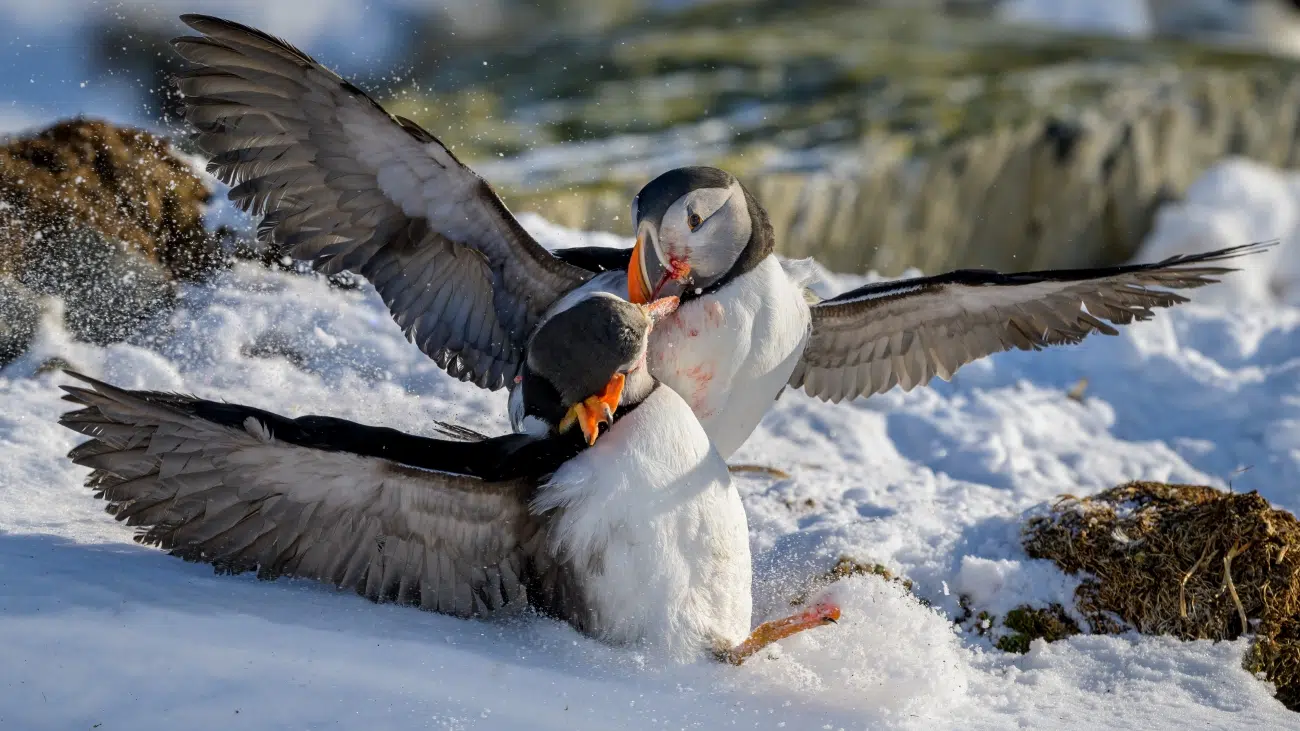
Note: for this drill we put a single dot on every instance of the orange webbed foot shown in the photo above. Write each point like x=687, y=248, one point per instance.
x=778, y=629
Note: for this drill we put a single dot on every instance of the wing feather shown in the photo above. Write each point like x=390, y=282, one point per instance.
x=344, y=185
x=236, y=496
x=906, y=332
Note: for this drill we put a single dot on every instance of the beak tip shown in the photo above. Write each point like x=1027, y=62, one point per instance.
x=662, y=307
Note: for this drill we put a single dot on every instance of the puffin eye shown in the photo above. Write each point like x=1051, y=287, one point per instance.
x=694, y=221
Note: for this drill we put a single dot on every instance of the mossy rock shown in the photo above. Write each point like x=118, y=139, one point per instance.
x=1027, y=624
x=1189, y=561
x=106, y=218
x=122, y=183
x=844, y=568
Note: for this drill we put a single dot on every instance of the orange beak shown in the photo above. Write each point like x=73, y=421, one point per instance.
x=661, y=308
x=595, y=410
x=638, y=290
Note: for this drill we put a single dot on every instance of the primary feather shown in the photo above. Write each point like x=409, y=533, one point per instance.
x=341, y=183
x=905, y=332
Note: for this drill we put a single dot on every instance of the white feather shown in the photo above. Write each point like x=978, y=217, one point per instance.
x=749, y=333
x=804, y=272
x=652, y=510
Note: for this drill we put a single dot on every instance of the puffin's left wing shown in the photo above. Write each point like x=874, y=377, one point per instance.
x=905, y=332
x=317, y=498
x=347, y=186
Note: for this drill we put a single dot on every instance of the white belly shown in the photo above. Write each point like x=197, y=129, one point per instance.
x=652, y=510
x=731, y=352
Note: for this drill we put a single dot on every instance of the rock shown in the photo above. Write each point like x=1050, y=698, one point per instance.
x=123, y=183
x=878, y=137
x=108, y=219
x=1069, y=189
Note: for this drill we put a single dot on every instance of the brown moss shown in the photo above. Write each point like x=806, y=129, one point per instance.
x=1184, y=560
x=844, y=568
x=1028, y=623
x=121, y=183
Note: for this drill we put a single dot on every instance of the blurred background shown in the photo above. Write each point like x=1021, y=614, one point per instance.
x=880, y=134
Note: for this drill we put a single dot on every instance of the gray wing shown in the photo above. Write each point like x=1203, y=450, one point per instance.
x=242, y=500
x=343, y=184
x=905, y=332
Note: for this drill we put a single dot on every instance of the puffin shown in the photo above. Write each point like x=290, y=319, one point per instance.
x=340, y=183
x=639, y=540
x=747, y=326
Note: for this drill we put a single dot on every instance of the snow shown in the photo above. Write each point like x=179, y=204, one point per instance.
x=1268, y=26
x=1237, y=200
x=1113, y=17
x=932, y=484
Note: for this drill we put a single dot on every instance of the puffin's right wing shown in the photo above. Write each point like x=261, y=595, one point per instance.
x=217, y=483
x=347, y=186
x=905, y=332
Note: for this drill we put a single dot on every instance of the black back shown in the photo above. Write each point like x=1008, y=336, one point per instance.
x=494, y=459
x=596, y=258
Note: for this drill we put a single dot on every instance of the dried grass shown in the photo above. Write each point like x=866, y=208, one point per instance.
x=1189, y=561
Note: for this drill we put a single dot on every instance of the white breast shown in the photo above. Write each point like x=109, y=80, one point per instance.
x=652, y=510
x=729, y=353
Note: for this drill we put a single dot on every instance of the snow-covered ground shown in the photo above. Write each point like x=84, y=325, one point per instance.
x=97, y=632
x=1271, y=26
x=1116, y=17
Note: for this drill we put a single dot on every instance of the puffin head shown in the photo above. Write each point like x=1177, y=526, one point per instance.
x=588, y=359
x=696, y=229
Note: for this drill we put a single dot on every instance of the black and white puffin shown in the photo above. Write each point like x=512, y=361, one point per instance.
x=346, y=186
x=745, y=327
x=638, y=540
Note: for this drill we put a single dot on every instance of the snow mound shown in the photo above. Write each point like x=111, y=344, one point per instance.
x=1112, y=17
x=1237, y=201
x=889, y=653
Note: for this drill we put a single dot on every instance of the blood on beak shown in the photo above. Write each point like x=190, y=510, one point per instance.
x=661, y=308
x=645, y=282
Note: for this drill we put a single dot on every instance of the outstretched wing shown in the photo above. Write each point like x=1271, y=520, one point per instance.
x=216, y=483
x=345, y=185
x=905, y=332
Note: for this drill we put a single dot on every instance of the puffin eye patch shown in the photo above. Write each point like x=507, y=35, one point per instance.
x=694, y=220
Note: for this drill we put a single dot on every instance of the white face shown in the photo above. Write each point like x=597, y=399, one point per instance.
x=698, y=241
